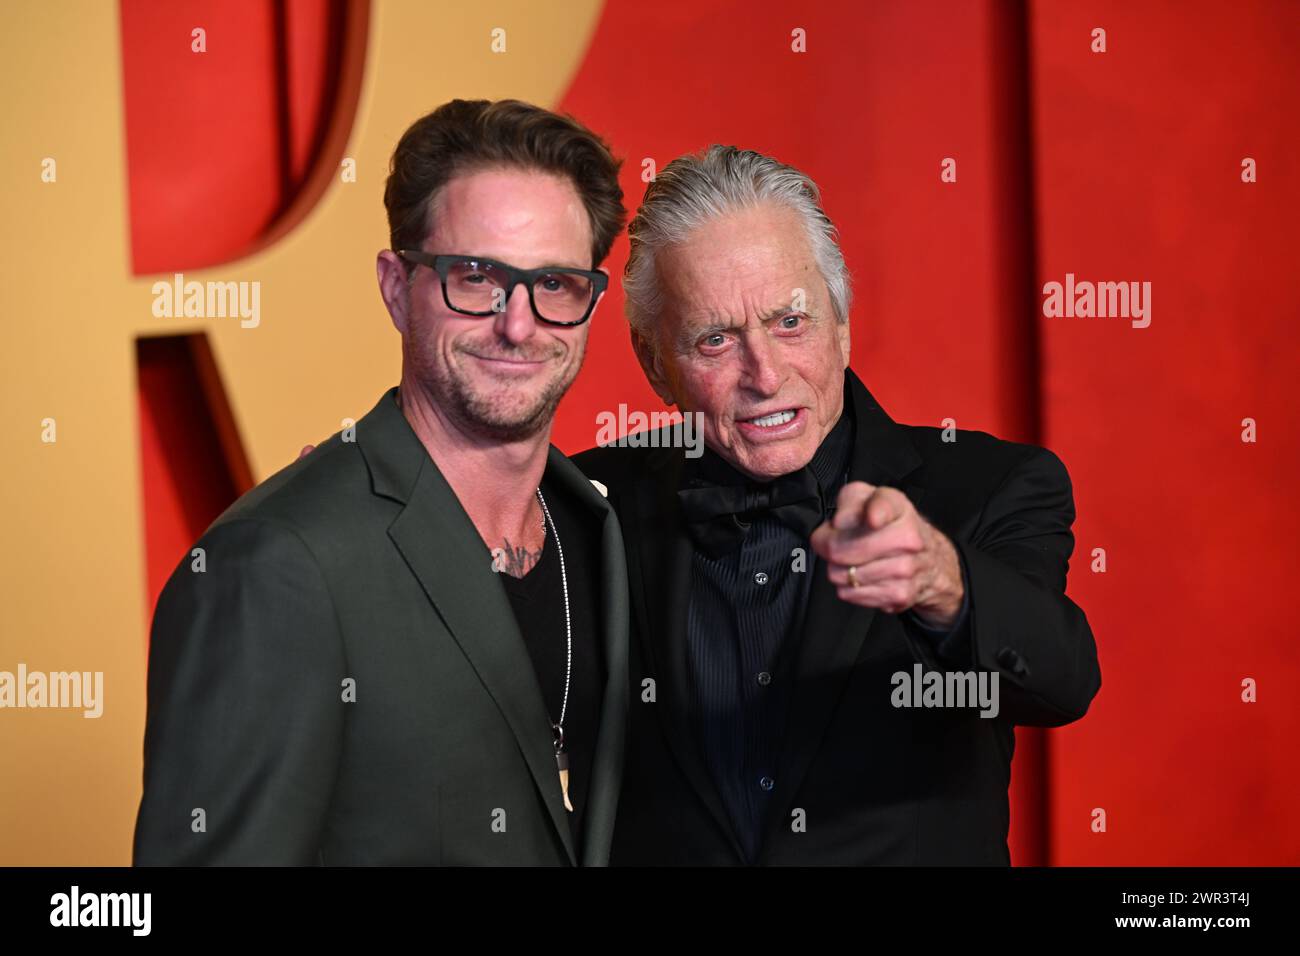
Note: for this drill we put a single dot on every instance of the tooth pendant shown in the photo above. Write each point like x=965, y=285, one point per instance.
x=562, y=761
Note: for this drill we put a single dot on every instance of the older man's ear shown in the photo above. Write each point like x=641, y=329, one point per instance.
x=651, y=363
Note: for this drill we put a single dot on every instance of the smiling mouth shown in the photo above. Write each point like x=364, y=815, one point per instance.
x=773, y=420
x=508, y=360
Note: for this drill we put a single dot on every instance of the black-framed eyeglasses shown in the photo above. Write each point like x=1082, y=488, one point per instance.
x=473, y=285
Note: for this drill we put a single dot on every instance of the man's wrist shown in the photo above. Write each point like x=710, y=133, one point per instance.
x=944, y=611
x=939, y=628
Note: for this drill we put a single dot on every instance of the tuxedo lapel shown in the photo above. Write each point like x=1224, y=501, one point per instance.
x=834, y=630
x=443, y=549
x=660, y=574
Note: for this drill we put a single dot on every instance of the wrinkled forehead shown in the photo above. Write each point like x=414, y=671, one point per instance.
x=738, y=267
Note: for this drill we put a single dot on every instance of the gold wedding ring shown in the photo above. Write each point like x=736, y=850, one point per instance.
x=853, y=576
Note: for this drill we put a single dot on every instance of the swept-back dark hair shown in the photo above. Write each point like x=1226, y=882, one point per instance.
x=468, y=135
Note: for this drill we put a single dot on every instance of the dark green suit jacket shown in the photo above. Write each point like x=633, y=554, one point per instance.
x=344, y=681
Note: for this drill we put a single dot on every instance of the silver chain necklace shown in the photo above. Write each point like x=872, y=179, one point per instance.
x=561, y=755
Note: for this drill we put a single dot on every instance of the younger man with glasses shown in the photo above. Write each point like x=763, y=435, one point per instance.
x=411, y=647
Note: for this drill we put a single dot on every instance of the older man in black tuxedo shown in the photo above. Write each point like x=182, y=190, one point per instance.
x=791, y=585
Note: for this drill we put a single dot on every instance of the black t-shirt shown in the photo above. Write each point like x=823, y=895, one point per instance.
x=538, y=602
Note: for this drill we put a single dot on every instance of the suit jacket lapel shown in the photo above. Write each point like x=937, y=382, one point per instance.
x=659, y=572
x=445, y=553
x=834, y=630
x=607, y=767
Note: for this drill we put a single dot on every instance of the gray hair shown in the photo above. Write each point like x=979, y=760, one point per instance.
x=694, y=189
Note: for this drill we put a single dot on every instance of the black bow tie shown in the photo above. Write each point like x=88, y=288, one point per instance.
x=717, y=516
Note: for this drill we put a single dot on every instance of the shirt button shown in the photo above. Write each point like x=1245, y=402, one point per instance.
x=760, y=577
x=767, y=783
x=764, y=678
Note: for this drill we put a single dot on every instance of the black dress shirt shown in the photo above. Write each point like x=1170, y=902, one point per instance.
x=744, y=625
x=538, y=603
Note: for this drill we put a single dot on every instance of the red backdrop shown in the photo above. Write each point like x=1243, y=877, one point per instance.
x=1115, y=166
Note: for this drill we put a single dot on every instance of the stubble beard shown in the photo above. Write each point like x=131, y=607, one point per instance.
x=492, y=412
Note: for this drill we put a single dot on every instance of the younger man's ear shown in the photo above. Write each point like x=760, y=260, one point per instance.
x=390, y=269
x=601, y=297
